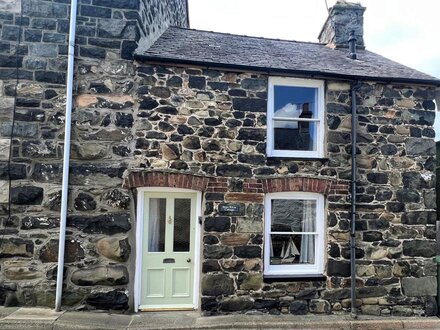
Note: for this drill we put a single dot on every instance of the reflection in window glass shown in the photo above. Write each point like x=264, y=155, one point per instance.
x=295, y=102
x=294, y=135
x=292, y=249
x=182, y=224
x=156, y=225
x=293, y=215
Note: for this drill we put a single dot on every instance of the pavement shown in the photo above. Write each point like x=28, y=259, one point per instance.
x=45, y=318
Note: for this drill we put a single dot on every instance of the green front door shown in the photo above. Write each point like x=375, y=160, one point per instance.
x=168, y=251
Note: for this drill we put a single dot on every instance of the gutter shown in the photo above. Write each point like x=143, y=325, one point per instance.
x=268, y=70
x=354, y=88
x=66, y=155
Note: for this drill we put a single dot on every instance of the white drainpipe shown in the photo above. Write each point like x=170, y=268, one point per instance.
x=66, y=156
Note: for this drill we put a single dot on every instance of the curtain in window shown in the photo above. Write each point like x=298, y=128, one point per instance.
x=307, y=254
x=154, y=225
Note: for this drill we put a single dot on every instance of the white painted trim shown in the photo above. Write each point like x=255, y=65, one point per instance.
x=289, y=270
x=197, y=243
x=139, y=236
x=139, y=231
x=296, y=82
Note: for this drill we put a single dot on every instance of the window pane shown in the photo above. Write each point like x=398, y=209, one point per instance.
x=293, y=215
x=156, y=225
x=292, y=249
x=182, y=224
x=295, y=135
x=295, y=102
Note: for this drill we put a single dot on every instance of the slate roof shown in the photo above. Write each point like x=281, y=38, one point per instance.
x=213, y=49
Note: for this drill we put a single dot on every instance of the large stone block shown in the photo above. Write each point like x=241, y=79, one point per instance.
x=16, y=247
x=44, y=50
x=250, y=281
x=217, y=224
x=117, y=29
x=73, y=251
x=21, y=270
x=418, y=287
x=418, y=147
x=115, y=248
x=27, y=195
x=44, y=9
x=216, y=285
x=235, y=304
x=109, y=223
x=216, y=251
x=116, y=300
x=10, y=6
x=100, y=275
x=419, y=248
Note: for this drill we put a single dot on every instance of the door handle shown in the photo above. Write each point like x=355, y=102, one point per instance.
x=170, y=221
x=188, y=260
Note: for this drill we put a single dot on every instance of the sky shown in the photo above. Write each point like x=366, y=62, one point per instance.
x=405, y=31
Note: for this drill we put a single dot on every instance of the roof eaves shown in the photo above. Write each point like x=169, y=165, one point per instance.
x=269, y=70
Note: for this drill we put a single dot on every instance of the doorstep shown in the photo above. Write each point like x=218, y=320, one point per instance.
x=44, y=318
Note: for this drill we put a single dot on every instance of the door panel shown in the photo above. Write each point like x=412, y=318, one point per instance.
x=155, y=282
x=181, y=282
x=167, y=277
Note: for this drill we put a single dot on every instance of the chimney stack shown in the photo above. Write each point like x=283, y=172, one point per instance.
x=343, y=18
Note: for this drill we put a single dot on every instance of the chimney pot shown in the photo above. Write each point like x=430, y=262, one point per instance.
x=352, y=45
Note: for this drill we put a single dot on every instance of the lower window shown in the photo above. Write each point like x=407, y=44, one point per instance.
x=294, y=234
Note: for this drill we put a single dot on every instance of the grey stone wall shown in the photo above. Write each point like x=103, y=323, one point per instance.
x=33, y=49
x=213, y=123
x=157, y=15
x=133, y=116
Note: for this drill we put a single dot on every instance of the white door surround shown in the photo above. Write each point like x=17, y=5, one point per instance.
x=139, y=244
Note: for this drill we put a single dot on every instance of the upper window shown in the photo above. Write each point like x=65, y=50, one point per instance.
x=294, y=234
x=295, y=118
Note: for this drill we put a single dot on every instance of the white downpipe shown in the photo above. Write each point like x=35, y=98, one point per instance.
x=66, y=156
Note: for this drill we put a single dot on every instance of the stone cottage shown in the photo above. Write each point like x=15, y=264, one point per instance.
x=212, y=171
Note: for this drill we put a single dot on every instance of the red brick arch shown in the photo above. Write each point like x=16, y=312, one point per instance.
x=317, y=185
x=251, y=186
x=166, y=179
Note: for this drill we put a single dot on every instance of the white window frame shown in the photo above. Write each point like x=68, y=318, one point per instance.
x=316, y=269
x=296, y=82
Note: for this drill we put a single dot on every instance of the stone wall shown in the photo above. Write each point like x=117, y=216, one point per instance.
x=135, y=118
x=213, y=124
x=33, y=63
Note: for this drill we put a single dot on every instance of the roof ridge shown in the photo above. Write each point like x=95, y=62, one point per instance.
x=246, y=36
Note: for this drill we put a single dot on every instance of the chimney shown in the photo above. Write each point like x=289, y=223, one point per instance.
x=343, y=18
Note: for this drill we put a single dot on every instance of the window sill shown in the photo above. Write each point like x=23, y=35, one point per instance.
x=294, y=278
x=322, y=159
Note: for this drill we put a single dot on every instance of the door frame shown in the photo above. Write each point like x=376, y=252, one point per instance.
x=139, y=240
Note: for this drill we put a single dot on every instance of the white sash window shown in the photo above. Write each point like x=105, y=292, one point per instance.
x=294, y=234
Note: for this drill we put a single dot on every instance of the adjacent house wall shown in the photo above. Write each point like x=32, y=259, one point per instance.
x=106, y=36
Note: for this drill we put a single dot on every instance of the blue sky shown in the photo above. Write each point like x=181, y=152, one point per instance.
x=402, y=30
